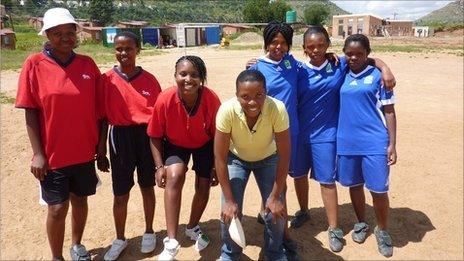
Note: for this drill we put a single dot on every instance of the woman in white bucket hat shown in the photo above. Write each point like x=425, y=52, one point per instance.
x=57, y=89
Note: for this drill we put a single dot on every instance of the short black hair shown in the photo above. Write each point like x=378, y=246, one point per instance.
x=130, y=35
x=250, y=75
x=317, y=30
x=198, y=63
x=275, y=27
x=360, y=38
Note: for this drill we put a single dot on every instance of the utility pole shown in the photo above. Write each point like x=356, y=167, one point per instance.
x=394, y=15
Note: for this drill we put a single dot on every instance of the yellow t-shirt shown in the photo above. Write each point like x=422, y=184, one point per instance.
x=258, y=143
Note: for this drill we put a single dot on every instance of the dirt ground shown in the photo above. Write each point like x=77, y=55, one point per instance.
x=426, y=191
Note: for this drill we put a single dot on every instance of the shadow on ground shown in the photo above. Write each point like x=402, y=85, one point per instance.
x=406, y=225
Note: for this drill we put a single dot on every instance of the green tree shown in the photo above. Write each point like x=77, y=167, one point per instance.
x=264, y=11
x=316, y=14
x=101, y=11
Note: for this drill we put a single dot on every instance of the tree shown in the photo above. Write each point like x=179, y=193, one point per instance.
x=264, y=11
x=316, y=14
x=101, y=11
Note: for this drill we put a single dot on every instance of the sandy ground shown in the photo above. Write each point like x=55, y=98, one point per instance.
x=426, y=185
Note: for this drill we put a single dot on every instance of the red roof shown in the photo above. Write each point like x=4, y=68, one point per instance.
x=6, y=31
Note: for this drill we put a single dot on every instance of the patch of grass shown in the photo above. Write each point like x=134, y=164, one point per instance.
x=406, y=48
x=244, y=47
x=28, y=42
x=5, y=99
x=14, y=59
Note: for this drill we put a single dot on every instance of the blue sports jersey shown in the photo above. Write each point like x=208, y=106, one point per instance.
x=281, y=83
x=362, y=128
x=318, y=99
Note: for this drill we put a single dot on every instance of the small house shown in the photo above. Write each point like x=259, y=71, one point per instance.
x=8, y=39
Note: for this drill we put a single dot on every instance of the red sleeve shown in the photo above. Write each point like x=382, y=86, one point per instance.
x=26, y=96
x=157, y=123
x=215, y=104
x=100, y=95
x=156, y=88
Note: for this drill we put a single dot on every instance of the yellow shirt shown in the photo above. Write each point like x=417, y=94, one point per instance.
x=258, y=143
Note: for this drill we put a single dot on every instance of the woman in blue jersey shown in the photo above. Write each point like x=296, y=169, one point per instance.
x=280, y=70
x=366, y=139
x=318, y=105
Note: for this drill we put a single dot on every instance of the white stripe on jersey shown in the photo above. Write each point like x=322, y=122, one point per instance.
x=378, y=106
x=317, y=68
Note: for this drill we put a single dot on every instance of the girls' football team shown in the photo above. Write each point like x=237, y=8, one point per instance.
x=340, y=112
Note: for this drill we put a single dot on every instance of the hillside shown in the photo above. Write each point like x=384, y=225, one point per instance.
x=452, y=13
x=159, y=12
x=301, y=5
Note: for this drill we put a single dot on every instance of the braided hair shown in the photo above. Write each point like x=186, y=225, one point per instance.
x=198, y=63
x=275, y=27
x=360, y=38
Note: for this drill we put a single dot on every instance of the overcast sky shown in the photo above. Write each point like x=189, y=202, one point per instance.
x=406, y=10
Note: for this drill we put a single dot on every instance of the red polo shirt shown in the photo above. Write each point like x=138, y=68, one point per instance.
x=128, y=101
x=64, y=95
x=171, y=119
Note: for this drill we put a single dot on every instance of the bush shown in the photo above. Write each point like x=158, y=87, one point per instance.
x=316, y=14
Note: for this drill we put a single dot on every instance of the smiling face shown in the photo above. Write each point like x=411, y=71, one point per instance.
x=188, y=78
x=251, y=96
x=126, y=51
x=62, y=38
x=277, y=48
x=356, y=56
x=315, y=47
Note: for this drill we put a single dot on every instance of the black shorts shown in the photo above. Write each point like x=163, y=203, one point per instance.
x=203, y=157
x=130, y=149
x=80, y=179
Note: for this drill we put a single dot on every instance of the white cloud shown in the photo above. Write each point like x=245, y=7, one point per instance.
x=405, y=10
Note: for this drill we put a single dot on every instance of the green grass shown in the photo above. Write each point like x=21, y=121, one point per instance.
x=5, y=99
x=244, y=47
x=407, y=48
x=29, y=43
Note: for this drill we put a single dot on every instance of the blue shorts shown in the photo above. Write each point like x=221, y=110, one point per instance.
x=320, y=158
x=370, y=170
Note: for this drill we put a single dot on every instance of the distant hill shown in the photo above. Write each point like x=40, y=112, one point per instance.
x=300, y=5
x=452, y=13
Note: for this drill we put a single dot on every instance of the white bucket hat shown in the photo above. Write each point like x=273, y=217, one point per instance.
x=57, y=16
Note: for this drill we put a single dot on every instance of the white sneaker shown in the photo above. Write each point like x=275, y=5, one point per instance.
x=115, y=250
x=195, y=234
x=148, y=243
x=171, y=248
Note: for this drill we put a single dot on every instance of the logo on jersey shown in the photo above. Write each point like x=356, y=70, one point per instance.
x=287, y=64
x=85, y=76
x=145, y=93
x=369, y=79
x=328, y=68
x=354, y=83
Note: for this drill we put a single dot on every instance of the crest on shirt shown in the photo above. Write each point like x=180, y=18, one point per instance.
x=85, y=76
x=328, y=68
x=354, y=83
x=145, y=93
x=287, y=64
x=369, y=79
